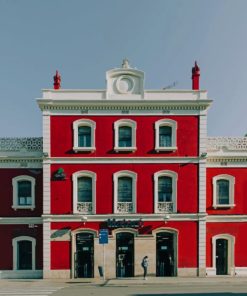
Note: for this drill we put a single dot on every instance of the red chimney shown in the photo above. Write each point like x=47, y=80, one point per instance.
x=195, y=77
x=57, y=80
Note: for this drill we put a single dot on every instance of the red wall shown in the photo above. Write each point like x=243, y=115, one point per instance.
x=240, y=199
x=187, y=186
x=11, y=231
x=62, y=136
x=6, y=176
x=187, y=241
x=238, y=230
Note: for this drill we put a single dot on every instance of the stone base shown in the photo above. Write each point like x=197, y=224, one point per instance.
x=187, y=272
x=57, y=274
x=21, y=274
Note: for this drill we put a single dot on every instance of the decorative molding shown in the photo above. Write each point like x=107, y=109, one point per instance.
x=21, y=144
x=227, y=143
x=20, y=220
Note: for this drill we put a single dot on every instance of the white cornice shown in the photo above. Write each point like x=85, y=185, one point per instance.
x=120, y=160
x=226, y=218
x=21, y=220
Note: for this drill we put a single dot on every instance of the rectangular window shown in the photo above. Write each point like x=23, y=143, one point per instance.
x=222, y=192
x=24, y=255
x=165, y=189
x=165, y=136
x=24, y=193
x=125, y=133
x=85, y=189
x=84, y=136
x=125, y=189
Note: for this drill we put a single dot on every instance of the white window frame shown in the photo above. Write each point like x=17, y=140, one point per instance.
x=132, y=175
x=174, y=176
x=15, y=181
x=76, y=125
x=231, y=245
x=75, y=177
x=125, y=122
x=166, y=122
x=15, y=251
x=231, y=180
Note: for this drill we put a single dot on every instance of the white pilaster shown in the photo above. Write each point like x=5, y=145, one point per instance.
x=46, y=188
x=46, y=135
x=46, y=249
x=202, y=248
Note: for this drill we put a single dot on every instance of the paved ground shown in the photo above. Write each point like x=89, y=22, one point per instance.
x=132, y=287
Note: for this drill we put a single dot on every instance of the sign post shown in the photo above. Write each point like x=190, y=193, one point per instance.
x=103, y=239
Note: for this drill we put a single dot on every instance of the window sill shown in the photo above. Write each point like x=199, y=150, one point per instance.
x=125, y=149
x=23, y=208
x=84, y=149
x=224, y=206
x=161, y=149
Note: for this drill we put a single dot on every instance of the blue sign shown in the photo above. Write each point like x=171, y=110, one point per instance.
x=103, y=236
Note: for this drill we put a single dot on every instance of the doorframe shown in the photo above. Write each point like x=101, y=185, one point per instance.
x=175, y=233
x=230, y=252
x=73, y=245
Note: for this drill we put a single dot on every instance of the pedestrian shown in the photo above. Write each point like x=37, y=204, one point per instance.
x=145, y=266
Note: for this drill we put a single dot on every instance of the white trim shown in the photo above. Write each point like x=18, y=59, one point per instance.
x=46, y=187
x=110, y=160
x=21, y=220
x=15, y=181
x=202, y=247
x=15, y=250
x=202, y=186
x=75, y=177
x=231, y=244
x=166, y=122
x=132, y=175
x=84, y=122
x=174, y=177
x=120, y=123
x=231, y=180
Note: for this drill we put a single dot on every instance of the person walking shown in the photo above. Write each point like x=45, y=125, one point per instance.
x=145, y=267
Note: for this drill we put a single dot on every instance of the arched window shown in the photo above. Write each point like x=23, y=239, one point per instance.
x=165, y=192
x=23, y=192
x=125, y=192
x=24, y=253
x=84, y=192
x=223, y=191
x=125, y=135
x=84, y=135
x=165, y=135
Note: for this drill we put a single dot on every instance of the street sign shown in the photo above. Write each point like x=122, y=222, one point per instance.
x=103, y=236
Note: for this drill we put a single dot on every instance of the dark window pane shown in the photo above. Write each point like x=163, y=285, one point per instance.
x=85, y=189
x=125, y=189
x=125, y=133
x=165, y=189
x=223, y=192
x=84, y=136
x=24, y=193
x=165, y=136
x=24, y=255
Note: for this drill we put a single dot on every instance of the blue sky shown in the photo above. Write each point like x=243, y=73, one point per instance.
x=85, y=38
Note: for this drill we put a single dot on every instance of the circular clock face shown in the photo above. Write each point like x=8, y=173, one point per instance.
x=125, y=84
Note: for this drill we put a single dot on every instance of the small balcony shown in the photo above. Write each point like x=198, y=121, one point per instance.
x=85, y=207
x=165, y=207
x=125, y=207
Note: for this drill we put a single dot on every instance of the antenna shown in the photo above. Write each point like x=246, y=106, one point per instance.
x=172, y=85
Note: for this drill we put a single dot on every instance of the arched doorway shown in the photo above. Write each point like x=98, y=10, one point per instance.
x=166, y=256
x=124, y=254
x=84, y=255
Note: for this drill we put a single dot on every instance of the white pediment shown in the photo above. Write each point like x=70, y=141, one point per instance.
x=124, y=82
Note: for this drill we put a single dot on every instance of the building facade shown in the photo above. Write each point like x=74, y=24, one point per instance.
x=136, y=164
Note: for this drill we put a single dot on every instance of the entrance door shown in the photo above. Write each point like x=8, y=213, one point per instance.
x=165, y=257
x=84, y=257
x=221, y=256
x=125, y=255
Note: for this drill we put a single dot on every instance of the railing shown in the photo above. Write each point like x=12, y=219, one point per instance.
x=234, y=143
x=85, y=207
x=21, y=144
x=125, y=207
x=165, y=207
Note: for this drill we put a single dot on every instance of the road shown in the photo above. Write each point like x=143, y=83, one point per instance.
x=123, y=288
